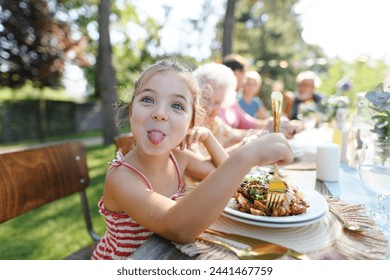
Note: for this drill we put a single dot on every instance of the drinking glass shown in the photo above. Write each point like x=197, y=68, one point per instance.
x=374, y=171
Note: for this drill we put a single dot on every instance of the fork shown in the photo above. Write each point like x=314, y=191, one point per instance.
x=347, y=225
x=277, y=186
x=266, y=251
x=253, y=242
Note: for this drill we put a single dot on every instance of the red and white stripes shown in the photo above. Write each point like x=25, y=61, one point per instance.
x=122, y=238
x=124, y=235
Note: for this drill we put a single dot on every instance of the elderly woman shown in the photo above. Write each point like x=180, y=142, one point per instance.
x=218, y=84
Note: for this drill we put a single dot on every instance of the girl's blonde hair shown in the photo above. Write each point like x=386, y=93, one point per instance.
x=169, y=64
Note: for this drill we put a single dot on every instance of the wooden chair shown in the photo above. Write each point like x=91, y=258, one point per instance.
x=125, y=142
x=33, y=177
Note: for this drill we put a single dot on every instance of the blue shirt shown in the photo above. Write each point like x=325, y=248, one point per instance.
x=252, y=107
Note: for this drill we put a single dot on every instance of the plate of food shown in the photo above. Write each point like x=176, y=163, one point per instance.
x=299, y=206
x=274, y=225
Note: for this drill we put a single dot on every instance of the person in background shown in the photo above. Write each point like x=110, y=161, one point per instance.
x=234, y=115
x=141, y=188
x=218, y=85
x=249, y=101
x=239, y=65
x=306, y=95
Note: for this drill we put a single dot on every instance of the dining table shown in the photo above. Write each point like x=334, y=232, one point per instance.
x=320, y=238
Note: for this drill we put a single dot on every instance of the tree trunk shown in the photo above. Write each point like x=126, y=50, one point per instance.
x=106, y=81
x=228, y=28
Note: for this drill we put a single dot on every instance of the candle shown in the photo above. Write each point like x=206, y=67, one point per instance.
x=328, y=162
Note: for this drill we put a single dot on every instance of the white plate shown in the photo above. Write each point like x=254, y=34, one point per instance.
x=297, y=151
x=274, y=225
x=318, y=207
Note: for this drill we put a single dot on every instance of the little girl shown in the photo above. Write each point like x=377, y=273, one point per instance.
x=141, y=187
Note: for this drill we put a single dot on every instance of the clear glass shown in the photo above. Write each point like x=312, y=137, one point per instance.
x=307, y=113
x=374, y=171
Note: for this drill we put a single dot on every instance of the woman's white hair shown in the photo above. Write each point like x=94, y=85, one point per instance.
x=213, y=75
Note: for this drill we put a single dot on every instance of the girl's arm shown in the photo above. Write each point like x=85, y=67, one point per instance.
x=182, y=221
x=214, y=148
x=198, y=166
x=200, y=134
x=206, y=202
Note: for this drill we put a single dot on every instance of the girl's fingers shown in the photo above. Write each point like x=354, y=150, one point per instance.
x=192, y=138
x=182, y=145
x=196, y=136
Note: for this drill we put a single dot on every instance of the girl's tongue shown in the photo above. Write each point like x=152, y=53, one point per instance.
x=156, y=137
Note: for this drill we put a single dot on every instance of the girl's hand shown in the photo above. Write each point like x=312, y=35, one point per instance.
x=268, y=149
x=196, y=134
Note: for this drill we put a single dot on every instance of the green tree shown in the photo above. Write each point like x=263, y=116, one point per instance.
x=82, y=16
x=268, y=34
x=131, y=53
x=34, y=45
x=79, y=20
x=119, y=59
x=363, y=73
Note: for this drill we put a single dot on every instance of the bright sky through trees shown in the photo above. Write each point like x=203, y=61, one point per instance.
x=343, y=28
x=348, y=28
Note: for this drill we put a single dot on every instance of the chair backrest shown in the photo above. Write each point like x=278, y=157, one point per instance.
x=125, y=142
x=36, y=176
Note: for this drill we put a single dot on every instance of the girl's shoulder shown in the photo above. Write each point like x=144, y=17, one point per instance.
x=184, y=157
x=121, y=173
x=118, y=175
x=180, y=155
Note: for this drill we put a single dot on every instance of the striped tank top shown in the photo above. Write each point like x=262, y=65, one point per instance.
x=124, y=235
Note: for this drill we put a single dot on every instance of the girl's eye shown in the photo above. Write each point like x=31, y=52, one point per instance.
x=177, y=106
x=147, y=100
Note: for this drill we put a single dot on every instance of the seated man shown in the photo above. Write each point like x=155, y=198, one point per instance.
x=306, y=95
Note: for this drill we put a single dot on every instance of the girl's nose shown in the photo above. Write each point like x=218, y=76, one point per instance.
x=159, y=116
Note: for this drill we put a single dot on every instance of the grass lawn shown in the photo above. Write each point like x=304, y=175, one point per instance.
x=56, y=230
